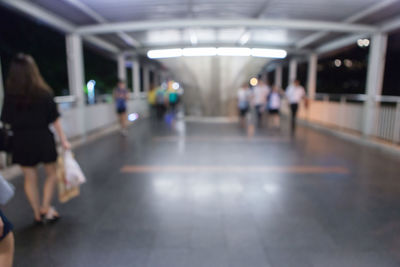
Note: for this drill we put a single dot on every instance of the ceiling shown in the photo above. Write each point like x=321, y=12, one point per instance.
x=90, y=12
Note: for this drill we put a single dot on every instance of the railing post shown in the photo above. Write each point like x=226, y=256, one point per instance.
x=396, y=134
x=342, y=112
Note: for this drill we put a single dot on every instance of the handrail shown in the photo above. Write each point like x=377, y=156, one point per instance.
x=360, y=97
x=65, y=99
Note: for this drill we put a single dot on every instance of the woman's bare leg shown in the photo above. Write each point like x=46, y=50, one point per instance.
x=31, y=189
x=7, y=251
x=49, y=186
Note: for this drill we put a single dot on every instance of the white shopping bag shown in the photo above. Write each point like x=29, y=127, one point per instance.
x=6, y=191
x=73, y=173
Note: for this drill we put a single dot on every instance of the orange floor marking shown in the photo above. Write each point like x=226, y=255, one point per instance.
x=235, y=169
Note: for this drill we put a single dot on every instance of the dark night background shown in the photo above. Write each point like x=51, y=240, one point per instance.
x=19, y=33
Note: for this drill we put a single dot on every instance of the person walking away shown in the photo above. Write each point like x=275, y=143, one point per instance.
x=274, y=104
x=29, y=109
x=151, y=99
x=6, y=242
x=172, y=100
x=295, y=93
x=243, y=97
x=261, y=91
x=160, y=102
x=121, y=95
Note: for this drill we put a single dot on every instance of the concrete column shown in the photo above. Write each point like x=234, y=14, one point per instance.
x=121, y=67
x=312, y=75
x=136, y=78
x=278, y=76
x=146, y=79
x=376, y=66
x=76, y=77
x=292, y=71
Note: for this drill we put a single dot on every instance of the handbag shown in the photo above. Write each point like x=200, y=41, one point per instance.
x=7, y=191
x=6, y=137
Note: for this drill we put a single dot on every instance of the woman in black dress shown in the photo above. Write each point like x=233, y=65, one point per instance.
x=29, y=109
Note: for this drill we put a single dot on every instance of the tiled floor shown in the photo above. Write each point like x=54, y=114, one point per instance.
x=211, y=196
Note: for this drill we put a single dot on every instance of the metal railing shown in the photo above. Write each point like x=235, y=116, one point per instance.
x=345, y=112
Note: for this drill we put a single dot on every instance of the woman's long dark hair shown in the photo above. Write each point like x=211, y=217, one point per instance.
x=24, y=78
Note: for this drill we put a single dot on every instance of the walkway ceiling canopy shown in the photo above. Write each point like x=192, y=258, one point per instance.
x=137, y=25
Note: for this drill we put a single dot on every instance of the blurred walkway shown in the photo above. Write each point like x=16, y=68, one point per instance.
x=204, y=194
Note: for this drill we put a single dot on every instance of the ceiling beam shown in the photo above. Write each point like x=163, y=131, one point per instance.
x=100, y=19
x=56, y=22
x=359, y=15
x=391, y=25
x=340, y=43
x=254, y=23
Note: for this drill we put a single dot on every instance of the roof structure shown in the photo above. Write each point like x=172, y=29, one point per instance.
x=136, y=25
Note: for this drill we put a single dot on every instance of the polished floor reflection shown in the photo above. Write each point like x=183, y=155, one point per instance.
x=205, y=194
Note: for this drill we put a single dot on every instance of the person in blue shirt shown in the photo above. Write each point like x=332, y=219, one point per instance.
x=6, y=242
x=121, y=95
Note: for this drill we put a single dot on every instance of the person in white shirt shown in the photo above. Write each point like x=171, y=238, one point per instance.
x=274, y=105
x=295, y=93
x=243, y=97
x=261, y=92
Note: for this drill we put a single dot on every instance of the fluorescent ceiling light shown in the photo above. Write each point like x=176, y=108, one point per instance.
x=270, y=53
x=212, y=51
x=200, y=51
x=165, y=53
x=234, y=51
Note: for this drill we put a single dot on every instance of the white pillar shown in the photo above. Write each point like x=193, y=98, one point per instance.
x=146, y=79
x=312, y=75
x=278, y=76
x=375, y=72
x=136, y=77
x=121, y=67
x=76, y=77
x=292, y=71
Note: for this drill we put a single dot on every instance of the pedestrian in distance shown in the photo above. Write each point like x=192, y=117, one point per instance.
x=295, y=94
x=121, y=96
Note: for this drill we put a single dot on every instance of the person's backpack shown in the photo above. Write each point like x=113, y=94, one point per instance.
x=160, y=97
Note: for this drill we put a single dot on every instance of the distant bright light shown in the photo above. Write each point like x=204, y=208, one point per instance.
x=363, y=42
x=270, y=53
x=245, y=38
x=199, y=51
x=165, y=53
x=175, y=86
x=253, y=81
x=348, y=63
x=133, y=117
x=338, y=63
x=234, y=51
x=193, y=38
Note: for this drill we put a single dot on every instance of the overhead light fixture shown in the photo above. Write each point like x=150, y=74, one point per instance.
x=220, y=51
x=234, y=51
x=164, y=53
x=269, y=53
x=199, y=51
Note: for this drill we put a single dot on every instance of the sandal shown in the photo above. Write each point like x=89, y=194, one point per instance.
x=51, y=216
